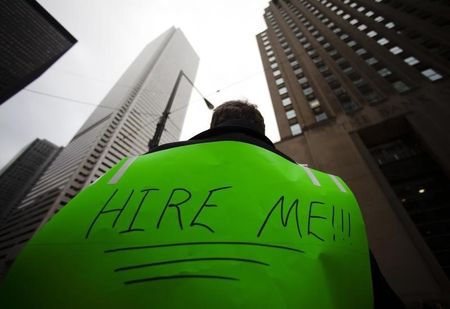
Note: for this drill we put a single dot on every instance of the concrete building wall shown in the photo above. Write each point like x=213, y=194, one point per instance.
x=362, y=94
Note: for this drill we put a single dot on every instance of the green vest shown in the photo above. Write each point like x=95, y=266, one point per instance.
x=212, y=225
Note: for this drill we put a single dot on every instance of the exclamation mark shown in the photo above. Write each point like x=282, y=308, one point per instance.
x=332, y=224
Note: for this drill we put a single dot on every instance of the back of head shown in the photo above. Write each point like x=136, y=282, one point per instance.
x=238, y=110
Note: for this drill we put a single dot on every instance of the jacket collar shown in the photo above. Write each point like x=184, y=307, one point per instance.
x=234, y=126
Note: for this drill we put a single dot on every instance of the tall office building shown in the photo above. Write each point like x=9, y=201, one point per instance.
x=360, y=89
x=120, y=126
x=32, y=40
x=21, y=173
x=16, y=179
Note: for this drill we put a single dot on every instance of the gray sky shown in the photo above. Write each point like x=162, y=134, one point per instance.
x=110, y=34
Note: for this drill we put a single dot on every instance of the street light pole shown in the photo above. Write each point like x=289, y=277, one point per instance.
x=160, y=126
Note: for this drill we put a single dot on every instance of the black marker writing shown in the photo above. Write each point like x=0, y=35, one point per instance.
x=284, y=220
x=130, y=227
x=171, y=204
x=310, y=232
x=104, y=211
x=205, y=204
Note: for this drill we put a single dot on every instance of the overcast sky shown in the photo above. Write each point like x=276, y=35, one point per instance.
x=110, y=34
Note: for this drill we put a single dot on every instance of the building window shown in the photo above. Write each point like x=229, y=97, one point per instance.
x=390, y=25
x=321, y=117
x=314, y=103
x=431, y=74
x=290, y=114
x=379, y=19
x=351, y=43
x=353, y=21
x=339, y=12
x=396, y=50
x=384, y=72
x=361, y=8
x=296, y=129
x=294, y=63
x=383, y=41
x=369, y=13
x=307, y=91
x=346, y=16
x=282, y=90
x=276, y=72
x=411, y=61
x=274, y=65
x=303, y=80
x=279, y=81
x=298, y=72
x=333, y=52
x=371, y=61
x=371, y=33
x=272, y=59
x=362, y=27
x=286, y=101
x=400, y=86
x=270, y=53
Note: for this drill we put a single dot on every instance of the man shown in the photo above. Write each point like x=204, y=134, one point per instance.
x=240, y=121
x=223, y=220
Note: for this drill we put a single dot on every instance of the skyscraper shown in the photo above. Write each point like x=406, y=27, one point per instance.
x=360, y=89
x=23, y=170
x=32, y=40
x=120, y=126
x=16, y=179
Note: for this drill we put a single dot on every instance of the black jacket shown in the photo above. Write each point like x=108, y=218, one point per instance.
x=384, y=296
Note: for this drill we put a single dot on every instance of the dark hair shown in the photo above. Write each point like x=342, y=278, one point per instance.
x=238, y=110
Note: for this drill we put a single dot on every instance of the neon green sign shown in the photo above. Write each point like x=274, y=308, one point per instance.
x=222, y=224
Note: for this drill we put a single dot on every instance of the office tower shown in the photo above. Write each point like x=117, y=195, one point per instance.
x=32, y=40
x=119, y=127
x=22, y=172
x=360, y=89
x=16, y=179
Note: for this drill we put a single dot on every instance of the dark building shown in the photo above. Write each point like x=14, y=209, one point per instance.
x=360, y=89
x=16, y=179
x=21, y=173
x=32, y=40
x=121, y=126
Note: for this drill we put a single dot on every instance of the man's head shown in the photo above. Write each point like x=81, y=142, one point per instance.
x=238, y=110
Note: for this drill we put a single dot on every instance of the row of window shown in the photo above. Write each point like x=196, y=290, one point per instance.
x=307, y=90
x=382, y=41
x=370, y=59
x=279, y=81
x=361, y=85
